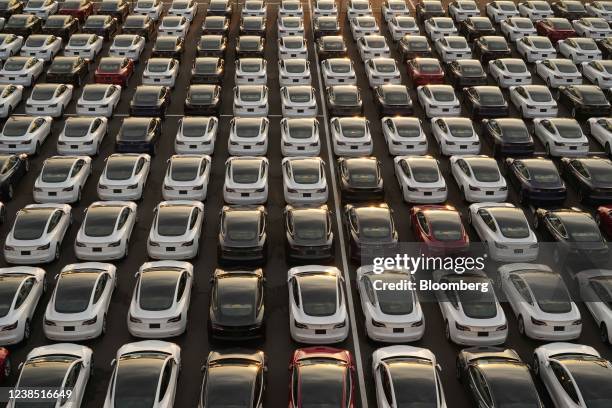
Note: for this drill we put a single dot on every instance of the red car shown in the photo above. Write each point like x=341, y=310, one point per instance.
x=5, y=364
x=555, y=29
x=604, y=219
x=79, y=9
x=439, y=228
x=114, y=70
x=321, y=377
x=423, y=71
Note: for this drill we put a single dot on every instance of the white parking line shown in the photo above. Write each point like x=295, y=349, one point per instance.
x=337, y=210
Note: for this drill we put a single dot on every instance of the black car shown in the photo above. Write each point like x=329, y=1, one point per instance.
x=233, y=378
x=370, y=230
x=207, y=70
x=219, y=8
x=242, y=235
x=104, y=26
x=13, y=168
x=203, y=100
x=10, y=7
x=537, y=180
x=591, y=177
x=140, y=25
x=326, y=25
x=168, y=46
x=490, y=47
x=584, y=100
x=414, y=46
x=119, y=9
x=73, y=70
x=466, y=72
x=215, y=25
x=212, y=46
x=138, y=135
x=509, y=136
x=427, y=9
x=360, y=179
x=475, y=27
x=236, y=305
x=150, y=100
x=331, y=46
x=308, y=233
x=502, y=373
x=253, y=25
x=485, y=101
x=570, y=9
x=61, y=26
x=605, y=45
x=392, y=99
x=576, y=234
x=23, y=24
x=344, y=100
x=250, y=46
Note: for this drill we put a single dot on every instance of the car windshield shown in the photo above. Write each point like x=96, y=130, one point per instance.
x=253, y=44
x=73, y=291
x=570, y=130
x=71, y=5
x=461, y=129
x=545, y=174
x=123, y=42
x=354, y=130
x=245, y=172
x=540, y=95
x=446, y=225
x=593, y=377
x=157, y=288
x=566, y=67
x=588, y=45
x=146, y=96
x=56, y=22
x=171, y=22
x=327, y=24
x=300, y=131
x=581, y=228
x=36, y=3
x=310, y=228
x=145, y=4
x=30, y=224
x=476, y=304
x=137, y=379
x=194, y=127
x=561, y=24
x=56, y=170
x=481, y=24
x=250, y=66
x=292, y=22
x=375, y=227
x=184, y=169
x=599, y=24
x=341, y=67
x=241, y=227
x=95, y=22
x=228, y=386
x=413, y=381
x=202, y=96
x=444, y=24
x=210, y=43
x=180, y=5
x=322, y=383
x=154, y=66
x=43, y=93
x=360, y=5
x=44, y=372
x=35, y=41
x=511, y=222
x=363, y=175
x=16, y=128
x=496, y=45
x=295, y=68
x=206, y=66
x=424, y=171
x=417, y=44
x=600, y=171
x=299, y=96
x=517, y=133
x=346, y=97
x=594, y=97
x=492, y=98
x=109, y=6
x=385, y=67
x=393, y=302
x=109, y=67
x=506, y=7
x=305, y=172
x=550, y=292
x=319, y=294
x=485, y=171
x=406, y=22
x=119, y=169
x=165, y=44
x=397, y=97
x=78, y=41
x=173, y=221
x=133, y=131
x=516, y=67
x=248, y=129
x=540, y=6
x=8, y=288
x=471, y=70
x=100, y=221
x=443, y=95
x=376, y=43
x=409, y=130
x=250, y=96
x=236, y=297
x=541, y=43
x=94, y=93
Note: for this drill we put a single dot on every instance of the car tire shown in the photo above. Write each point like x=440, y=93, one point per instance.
x=127, y=249
x=608, y=149
x=536, y=365
x=521, y=325
x=6, y=370
x=3, y=215
x=447, y=331
x=27, y=330
x=469, y=217
x=10, y=191
x=79, y=195
x=45, y=285
x=37, y=149
x=57, y=252
x=603, y=334
x=547, y=148
x=573, y=112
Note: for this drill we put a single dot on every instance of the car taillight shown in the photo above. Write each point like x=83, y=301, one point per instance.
x=43, y=247
x=377, y=324
x=461, y=327
x=538, y=322
x=115, y=244
x=188, y=243
x=340, y=325
x=501, y=328
x=48, y=322
x=299, y=325
x=417, y=324
x=134, y=319
x=577, y=322
x=175, y=319
x=11, y=326
x=90, y=321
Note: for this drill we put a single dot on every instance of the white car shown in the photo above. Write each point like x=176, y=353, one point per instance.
x=173, y=25
x=317, y=305
x=124, y=176
x=41, y=46
x=338, y=71
x=290, y=8
x=534, y=48
x=373, y=46
x=364, y=25
x=152, y=8
x=49, y=99
x=152, y=362
x=196, y=134
x=161, y=71
x=10, y=98
x=62, y=179
x=186, y=177
x=246, y=180
x=420, y=179
x=399, y=26
x=84, y=45
x=394, y=8
x=290, y=27
x=461, y=10
x=82, y=135
x=598, y=72
x=594, y=285
x=10, y=44
x=304, y=180
x=541, y=302
x=254, y=8
x=160, y=302
x=250, y=100
x=404, y=135
x=557, y=72
x=534, y=101
x=500, y=10
x=41, y=8
x=298, y=101
x=294, y=71
x=438, y=100
x=391, y=316
x=65, y=365
x=455, y=135
x=37, y=234
x=251, y=71
x=358, y=8
x=98, y=100
x=561, y=137
x=452, y=48
x=127, y=45
x=248, y=136
x=592, y=27
x=509, y=72
x=479, y=178
x=381, y=71
x=292, y=47
x=184, y=8
x=22, y=287
x=176, y=230
x=351, y=136
x=324, y=8
x=535, y=10
x=21, y=70
x=579, y=49
x=24, y=134
x=599, y=8
x=79, y=304
x=601, y=130
x=438, y=27
x=504, y=232
x=300, y=137
x=471, y=318
x=514, y=28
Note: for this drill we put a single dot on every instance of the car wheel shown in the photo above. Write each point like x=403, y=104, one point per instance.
x=37, y=149
x=3, y=215
x=57, y=252
x=548, y=82
x=79, y=196
x=521, y=325
x=10, y=192
x=536, y=365
x=27, y=331
x=127, y=249
x=547, y=148
x=573, y=113
x=447, y=334
x=469, y=217
x=603, y=333
x=6, y=371
x=608, y=149
x=44, y=285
